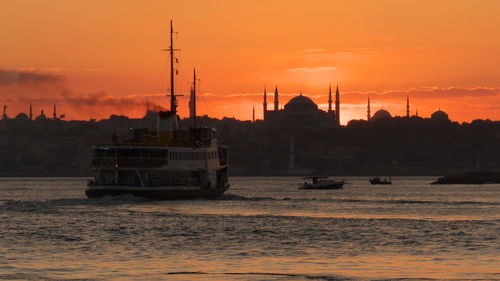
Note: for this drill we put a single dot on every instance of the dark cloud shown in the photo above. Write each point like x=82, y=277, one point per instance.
x=13, y=77
x=84, y=101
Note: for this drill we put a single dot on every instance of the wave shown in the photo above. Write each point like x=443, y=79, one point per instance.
x=51, y=205
x=235, y=197
x=36, y=277
x=48, y=206
x=264, y=274
x=293, y=275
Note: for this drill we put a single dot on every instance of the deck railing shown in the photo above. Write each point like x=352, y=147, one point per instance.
x=128, y=162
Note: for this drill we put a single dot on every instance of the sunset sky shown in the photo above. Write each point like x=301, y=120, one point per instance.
x=96, y=58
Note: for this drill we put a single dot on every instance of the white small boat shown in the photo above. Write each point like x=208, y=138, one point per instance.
x=322, y=182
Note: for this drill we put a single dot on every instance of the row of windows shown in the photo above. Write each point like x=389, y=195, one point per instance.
x=173, y=178
x=154, y=153
x=193, y=155
x=125, y=152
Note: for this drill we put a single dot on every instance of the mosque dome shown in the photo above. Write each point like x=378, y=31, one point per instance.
x=381, y=114
x=440, y=116
x=22, y=116
x=41, y=117
x=301, y=103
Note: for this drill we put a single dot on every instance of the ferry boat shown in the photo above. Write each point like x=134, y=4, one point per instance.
x=169, y=163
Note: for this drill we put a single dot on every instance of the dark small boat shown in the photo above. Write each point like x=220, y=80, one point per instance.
x=322, y=182
x=470, y=178
x=378, y=180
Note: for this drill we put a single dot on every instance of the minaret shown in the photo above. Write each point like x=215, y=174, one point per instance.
x=416, y=112
x=4, y=116
x=253, y=114
x=31, y=112
x=276, y=103
x=330, y=98
x=264, y=111
x=337, y=105
x=54, y=114
x=368, y=113
x=407, y=107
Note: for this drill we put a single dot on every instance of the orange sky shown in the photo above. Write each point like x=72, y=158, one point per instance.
x=95, y=58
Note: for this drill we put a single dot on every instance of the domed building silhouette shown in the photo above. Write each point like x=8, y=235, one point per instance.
x=301, y=103
x=384, y=114
x=22, y=116
x=302, y=111
x=41, y=117
x=381, y=114
x=440, y=116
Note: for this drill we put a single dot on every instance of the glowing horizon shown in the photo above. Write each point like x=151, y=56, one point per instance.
x=96, y=59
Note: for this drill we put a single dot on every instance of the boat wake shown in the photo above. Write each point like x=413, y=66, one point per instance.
x=235, y=197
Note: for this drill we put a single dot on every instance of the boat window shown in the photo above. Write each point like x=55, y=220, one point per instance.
x=104, y=152
x=129, y=153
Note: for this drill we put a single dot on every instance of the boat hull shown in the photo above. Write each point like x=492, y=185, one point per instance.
x=157, y=193
x=331, y=186
x=380, y=183
x=470, y=178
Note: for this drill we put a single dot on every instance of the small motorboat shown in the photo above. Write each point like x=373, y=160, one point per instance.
x=322, y=182
x=378, y=180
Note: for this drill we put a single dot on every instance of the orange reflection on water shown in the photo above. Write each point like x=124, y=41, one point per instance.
x=188, y=266
x=215, y=208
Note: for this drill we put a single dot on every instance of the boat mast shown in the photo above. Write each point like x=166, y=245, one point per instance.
x=193, y=99
x=173, y=105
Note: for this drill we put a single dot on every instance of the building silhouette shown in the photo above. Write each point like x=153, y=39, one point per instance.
x=438, y=116
x=302, y=111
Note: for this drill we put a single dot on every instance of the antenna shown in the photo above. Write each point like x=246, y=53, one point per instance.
x=173, y=106
x=171, y=50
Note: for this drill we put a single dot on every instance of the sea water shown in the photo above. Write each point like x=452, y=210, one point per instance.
x=263, y=228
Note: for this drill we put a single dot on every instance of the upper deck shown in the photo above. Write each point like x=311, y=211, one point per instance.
x=140, y=156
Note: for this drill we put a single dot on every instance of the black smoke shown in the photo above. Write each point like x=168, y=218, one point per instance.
x=14, y=77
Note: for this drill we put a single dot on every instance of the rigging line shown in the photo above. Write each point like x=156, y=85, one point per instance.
x=162, y=73
x=209, y=113
x=181, y=74
x=183, y=77
x=202, y=122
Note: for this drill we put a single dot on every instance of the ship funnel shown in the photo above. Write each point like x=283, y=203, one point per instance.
x=167, y=124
